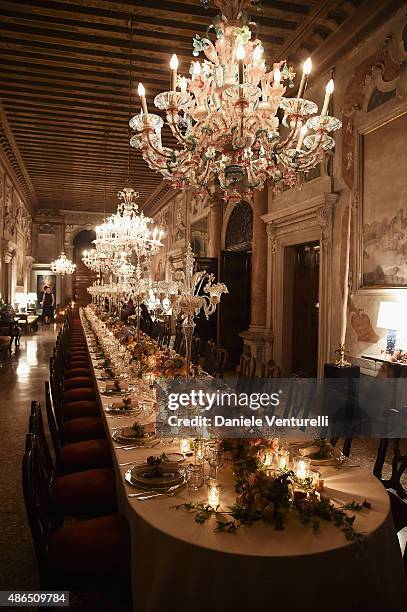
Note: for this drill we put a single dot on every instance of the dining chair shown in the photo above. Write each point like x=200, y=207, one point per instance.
x=271, y=370
x=89, y=555
x=83, y=494
x=77, y=456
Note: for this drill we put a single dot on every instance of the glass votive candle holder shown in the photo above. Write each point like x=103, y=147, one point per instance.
x=185, y=446
x=213, y=493
x=283, y=459
x=199, y=448
x=268, y=458
x=302, y=467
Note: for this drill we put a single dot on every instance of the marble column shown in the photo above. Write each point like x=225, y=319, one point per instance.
x=257, y=335
x=214, y=227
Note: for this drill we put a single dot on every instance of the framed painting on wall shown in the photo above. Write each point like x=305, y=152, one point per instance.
x=45, y=280
x=384, y=205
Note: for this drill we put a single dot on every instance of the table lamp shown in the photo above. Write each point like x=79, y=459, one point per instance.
x=21, y=299
x=32, y=297
x=390, y=318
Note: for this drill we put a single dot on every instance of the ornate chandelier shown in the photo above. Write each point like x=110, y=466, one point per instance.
x=128, y=230
x=63, y=265
x=225, y=116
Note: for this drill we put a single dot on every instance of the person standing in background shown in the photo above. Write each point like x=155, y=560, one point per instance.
x=47, y=304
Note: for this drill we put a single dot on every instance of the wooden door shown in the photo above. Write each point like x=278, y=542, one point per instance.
x=305, y=318
x=234, y=309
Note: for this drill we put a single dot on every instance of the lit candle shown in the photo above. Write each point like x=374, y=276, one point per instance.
x=302, y=467
x=240, y=55
x=185, y=446
x=346, y=278
x=305, y=72
x=277, y=77
x=142, y=93
x=213, y=494
x=303, y=132
x=283, y=457
x=183, y=84
x=174, y=68
x=268, y=458
x=196, y=71
x=328, y=91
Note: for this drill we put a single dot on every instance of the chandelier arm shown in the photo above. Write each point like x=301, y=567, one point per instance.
x=146, y=132
x=174, y=127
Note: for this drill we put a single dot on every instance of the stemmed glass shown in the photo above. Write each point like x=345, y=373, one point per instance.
x=194, y=476
x=215, y=458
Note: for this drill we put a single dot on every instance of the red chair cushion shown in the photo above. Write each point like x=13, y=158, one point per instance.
x=87, y=455
x=85, y=494
x=79, y=382
x=98, y=547
x=83, y=428
x=75, y=372
x=77, y=395
x=75, y=410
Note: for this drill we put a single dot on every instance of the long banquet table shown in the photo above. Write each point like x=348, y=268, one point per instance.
x=178, y=564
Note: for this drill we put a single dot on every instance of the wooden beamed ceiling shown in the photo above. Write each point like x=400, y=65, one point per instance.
x=64, y=74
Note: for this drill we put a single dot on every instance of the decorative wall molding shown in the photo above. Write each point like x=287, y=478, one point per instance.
x=307, y=221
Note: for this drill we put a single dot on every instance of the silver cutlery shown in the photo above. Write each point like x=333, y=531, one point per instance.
x=144, y=495
x=137, y=446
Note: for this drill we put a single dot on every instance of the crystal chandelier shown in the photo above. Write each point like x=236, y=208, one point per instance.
x=225, y=116
x=128, y=230
x=63, y=265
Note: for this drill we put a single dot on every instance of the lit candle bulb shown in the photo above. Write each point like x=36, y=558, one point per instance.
x=183, y=84
x=277, y=77
x=240, y=55
x=257, y=53
x=303, y=132
x=142, y=93
x=213, y=494
x=174, y=68
x=328, y=91
x=305, y=72
x=196, y=71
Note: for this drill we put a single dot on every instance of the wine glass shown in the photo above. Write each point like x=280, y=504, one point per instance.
x=194, y=476
x=215, y=458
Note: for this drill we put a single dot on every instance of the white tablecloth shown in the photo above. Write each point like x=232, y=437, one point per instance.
x=178, y=564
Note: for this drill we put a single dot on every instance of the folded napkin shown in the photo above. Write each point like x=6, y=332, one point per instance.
x=313, y=450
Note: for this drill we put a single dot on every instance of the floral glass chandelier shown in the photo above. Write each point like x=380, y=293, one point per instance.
x=191, y=293
x=63, y=265
x=226, y=115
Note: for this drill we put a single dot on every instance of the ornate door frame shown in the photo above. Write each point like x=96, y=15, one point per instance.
x=308, y=221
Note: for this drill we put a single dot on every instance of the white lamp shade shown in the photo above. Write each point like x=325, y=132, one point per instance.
x=21, y=298
x=390, y=315
x=32, y=297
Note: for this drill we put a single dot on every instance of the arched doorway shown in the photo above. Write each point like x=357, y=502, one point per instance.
x=83, y=277
x=235, y=272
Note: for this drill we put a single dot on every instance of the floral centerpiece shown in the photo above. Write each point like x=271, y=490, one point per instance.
x=270, y=495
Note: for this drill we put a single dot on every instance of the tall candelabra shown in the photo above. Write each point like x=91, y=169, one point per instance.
x=191, y=293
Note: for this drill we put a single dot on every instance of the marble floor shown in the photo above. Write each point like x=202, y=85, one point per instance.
x=22, y=377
